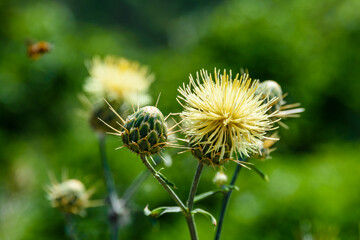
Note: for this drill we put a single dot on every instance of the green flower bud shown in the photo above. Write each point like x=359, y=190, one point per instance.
x=145, y=131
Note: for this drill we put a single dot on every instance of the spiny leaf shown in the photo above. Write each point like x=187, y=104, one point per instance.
x=207, y=214
x=157, y=212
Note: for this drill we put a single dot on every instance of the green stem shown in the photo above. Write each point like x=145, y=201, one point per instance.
x=186, y=210
x=115, y=207
x=69, y=227
x=131, y=190
x=225, y=201
x=190, y=203
x=165, y=186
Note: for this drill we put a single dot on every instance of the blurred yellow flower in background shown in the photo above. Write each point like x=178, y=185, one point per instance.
x=70, y=196
x=118, y=79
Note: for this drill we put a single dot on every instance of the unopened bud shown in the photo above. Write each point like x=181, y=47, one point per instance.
x=145, y=131
x=220, y=178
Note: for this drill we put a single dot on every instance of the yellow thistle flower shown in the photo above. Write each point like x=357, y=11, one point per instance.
x=118, y=79
x=70, y=196
x=223, y=116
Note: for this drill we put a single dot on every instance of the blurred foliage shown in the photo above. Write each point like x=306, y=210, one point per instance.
x=310, y=48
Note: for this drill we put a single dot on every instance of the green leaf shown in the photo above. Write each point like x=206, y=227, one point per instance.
x=260, y=173
x=207, y=214
x=223, y=190
x=157, y=212
x=204, y=195
x=167, y=181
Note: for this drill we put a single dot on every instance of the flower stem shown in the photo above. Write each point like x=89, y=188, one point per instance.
x=134, y=186
x=190, y=203
x=165, y=186
x=225, y=201
x=115, y=206
x=69, y=227
x=184, y=209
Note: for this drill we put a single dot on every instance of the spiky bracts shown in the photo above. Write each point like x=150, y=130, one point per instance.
x=145, y=131
x=223, y=116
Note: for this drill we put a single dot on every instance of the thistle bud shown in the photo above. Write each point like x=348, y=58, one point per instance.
x=69, y=196
x=145, y=131
x=220, y=178
x=268, y=90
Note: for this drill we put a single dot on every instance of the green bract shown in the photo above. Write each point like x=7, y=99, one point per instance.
x=145, y=131
x=210, y=157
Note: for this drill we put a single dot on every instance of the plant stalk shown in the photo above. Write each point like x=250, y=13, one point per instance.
x=69, y=227
x=115, y=206
x=134, y=186
x=225, y=201
x=190, y=203
x=184, y=209
x=165, y=186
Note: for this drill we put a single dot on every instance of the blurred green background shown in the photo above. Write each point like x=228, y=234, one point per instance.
x=310, y=47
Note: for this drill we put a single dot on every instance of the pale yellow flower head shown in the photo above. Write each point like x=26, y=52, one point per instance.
x=223, y=116
x=118, y=79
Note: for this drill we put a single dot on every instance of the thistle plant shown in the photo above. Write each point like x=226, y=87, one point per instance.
x=224, y=120
x=71, y=198
x=122, y=83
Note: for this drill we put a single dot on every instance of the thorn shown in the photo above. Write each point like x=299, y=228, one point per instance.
x=157, y=101
x=113, y=110
x=109, y=126
x=167, y=116
x=138, y=104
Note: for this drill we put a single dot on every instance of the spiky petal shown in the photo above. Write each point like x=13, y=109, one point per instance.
x=224, y=115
